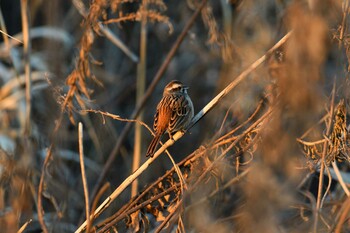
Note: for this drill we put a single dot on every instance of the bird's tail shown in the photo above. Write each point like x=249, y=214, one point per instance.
x=153, y=145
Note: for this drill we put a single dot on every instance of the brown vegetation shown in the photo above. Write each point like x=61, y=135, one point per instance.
x=267, y=151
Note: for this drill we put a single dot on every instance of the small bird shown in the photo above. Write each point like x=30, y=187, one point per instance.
x=174, y=113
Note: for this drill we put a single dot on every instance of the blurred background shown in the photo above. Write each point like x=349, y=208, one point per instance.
x=88, y=55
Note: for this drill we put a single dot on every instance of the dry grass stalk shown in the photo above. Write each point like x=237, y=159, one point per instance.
x=26, y=52
x=141, y=83
x=83, y=176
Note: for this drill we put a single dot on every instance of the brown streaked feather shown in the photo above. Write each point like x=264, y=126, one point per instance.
x=180, y=107
x=153, y=145
x=163, y=112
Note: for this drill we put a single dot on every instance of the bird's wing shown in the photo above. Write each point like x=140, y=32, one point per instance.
x=180, y=108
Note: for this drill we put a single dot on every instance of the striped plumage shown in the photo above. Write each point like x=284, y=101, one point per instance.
x=174, y=113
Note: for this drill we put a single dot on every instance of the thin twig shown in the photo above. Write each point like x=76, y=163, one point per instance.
x=6, y=36
x=40, y=190
x=323, y=163
x=26, y=58
x=305, y=178
x=46, y=32
x=183, y=184
x=116, y=117
x=9, y=36
x=225, y=118
x=83, y=175
x=328, y=186
x=345, y=6
x=340, y=178
x=181, y=226
x=7, y=42
x=311, y=143
x=24, y=226
x=102, y=190
x=343, y=216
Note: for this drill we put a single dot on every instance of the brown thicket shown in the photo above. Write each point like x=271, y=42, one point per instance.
x=267, y=151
